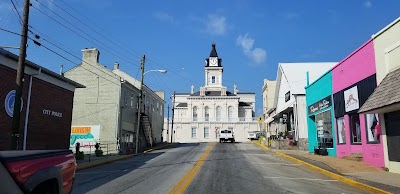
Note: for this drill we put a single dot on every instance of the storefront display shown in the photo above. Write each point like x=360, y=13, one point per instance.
x=324, y=129
x=373, y=128
x=341, y=130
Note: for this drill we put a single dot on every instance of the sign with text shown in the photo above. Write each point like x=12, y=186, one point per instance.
x=320, y=105
x=287, y=96
x=351, y=99
x=86, y=135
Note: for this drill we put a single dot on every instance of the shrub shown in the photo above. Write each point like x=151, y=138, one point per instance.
x=79, y=155
x=99, y=153
x=260, y=139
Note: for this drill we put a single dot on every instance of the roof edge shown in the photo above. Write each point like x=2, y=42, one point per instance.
x=385, y=28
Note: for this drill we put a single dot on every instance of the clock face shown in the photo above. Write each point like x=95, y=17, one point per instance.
x=213, y=61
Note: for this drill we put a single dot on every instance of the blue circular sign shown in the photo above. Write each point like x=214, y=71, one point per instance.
x=9, y=103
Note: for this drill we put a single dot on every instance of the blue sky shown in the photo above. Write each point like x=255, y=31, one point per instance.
x=252, y=37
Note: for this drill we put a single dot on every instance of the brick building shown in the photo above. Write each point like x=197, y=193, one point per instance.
x=46, y=112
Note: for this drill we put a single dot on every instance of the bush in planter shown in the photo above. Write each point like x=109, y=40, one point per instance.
x=260, y=139
x=79, y=155
x=98, y=153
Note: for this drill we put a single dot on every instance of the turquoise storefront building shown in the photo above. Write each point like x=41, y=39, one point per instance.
x=320, y=116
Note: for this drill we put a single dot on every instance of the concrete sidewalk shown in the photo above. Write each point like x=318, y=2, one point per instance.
x=356, y=170
x=97, y=161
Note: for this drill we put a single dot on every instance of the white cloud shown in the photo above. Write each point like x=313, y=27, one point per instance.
x=216, y=24
x=257, y=55
x=368, y=4
x=49, y=4
x=290, y=15
x=162, y=16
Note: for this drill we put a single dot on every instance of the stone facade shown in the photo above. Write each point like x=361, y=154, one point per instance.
x=198, y=115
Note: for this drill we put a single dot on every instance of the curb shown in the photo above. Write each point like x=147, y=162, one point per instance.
x=330, y=174
x=102, y=162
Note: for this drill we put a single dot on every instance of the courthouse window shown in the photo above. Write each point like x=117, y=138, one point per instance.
x=194, y=132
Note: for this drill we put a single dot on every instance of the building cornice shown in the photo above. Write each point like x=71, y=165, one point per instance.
x=212, y=98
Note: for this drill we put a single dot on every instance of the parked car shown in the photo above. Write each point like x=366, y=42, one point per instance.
x=254, y=135
x=37, y=171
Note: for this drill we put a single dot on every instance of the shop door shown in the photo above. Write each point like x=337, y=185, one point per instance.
x=392, y=123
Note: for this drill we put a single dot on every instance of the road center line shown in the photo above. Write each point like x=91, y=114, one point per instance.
x=181, y=186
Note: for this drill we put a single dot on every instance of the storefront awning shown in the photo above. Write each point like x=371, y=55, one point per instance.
x=385, y=97
x=269, y=119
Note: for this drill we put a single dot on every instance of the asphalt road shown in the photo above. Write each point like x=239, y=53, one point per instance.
x=229, y=168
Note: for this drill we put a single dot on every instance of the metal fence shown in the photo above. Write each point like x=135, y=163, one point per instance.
x=89, y=149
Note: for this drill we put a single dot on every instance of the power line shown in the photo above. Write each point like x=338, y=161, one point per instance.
x=11, y=32
x=5, y=19
x=76, y=32
x=56, y=53
x=19, y=15
x=98, y=26
x=105, y=37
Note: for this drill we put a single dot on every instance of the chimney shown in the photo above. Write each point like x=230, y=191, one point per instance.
x=235, y=90
x=116, y=65
x=90, y=56
x=62, y=70
x=192, y=89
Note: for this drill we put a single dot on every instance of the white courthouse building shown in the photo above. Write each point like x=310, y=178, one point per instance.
x=198, y=115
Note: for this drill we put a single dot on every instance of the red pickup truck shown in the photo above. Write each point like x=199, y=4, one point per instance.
x=37, y=171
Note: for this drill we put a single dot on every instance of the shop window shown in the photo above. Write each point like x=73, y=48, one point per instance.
x=355, y=129
x=373, y=128
x=341, y=130
x=324, y=129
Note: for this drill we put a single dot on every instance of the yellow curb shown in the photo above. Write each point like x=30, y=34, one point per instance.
x=328, y=173
x=261, y=145
x=102, y=162
x=335, y=176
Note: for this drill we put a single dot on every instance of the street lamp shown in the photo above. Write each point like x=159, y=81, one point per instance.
x=140, y=99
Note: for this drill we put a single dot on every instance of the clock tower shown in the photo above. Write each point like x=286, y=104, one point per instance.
x=213, y=71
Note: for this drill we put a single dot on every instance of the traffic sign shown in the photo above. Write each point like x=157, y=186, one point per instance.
x=260, y=119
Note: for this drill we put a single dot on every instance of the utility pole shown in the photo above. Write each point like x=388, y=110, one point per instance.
x=173, y=116
x=168, y=124
x=139, y=107
x=19, y=79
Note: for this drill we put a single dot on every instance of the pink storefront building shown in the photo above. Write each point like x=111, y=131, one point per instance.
x=353, y=81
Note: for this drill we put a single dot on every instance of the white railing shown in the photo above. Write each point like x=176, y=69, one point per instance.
x=198, y=119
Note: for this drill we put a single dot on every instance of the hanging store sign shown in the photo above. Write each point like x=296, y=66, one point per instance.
x=320, y=105
x=351, y=101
